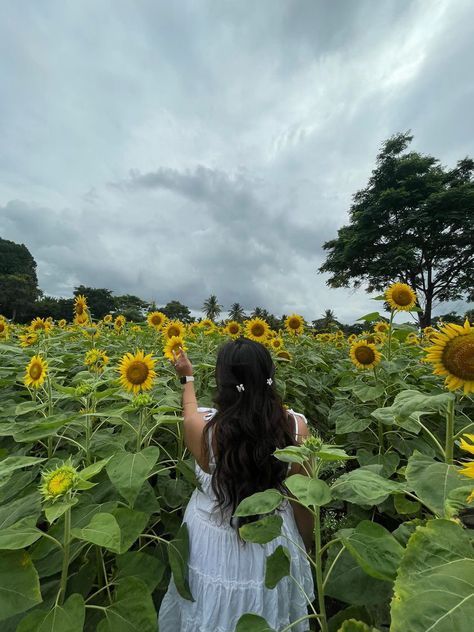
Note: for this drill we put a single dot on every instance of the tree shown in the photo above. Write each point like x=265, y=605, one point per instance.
x=211, y=307
x=99, y=300
x=236, y=312
x=450, y=317
x=470, y=316
x=177, y=311
x=132, y=307
x=18, y=280
x=327, y=322
x=414, y=223
x=57, y=308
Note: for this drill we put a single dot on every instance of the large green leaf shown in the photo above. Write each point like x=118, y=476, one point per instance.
x=19, y=508
x=178, y=555
x=102, y=530
x=66, y=618
x=434, y=589
x=12, y=463
x=309, y=491
x=20, y=535
x=131, y=523
x=19, y=583
x=263, y=530
x=259, y=503
x=409, y=406
x=375, y=549
x=350, y=584
x=277, y=566
x=132, y=609
x=364, y=487
x=137, y=564
x=432, y=481
x=129, y=471
x=252, y=623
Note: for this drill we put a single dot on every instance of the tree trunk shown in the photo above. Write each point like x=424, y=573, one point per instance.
x=425, y=317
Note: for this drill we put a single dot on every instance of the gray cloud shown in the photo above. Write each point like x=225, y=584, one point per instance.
x=213, y=146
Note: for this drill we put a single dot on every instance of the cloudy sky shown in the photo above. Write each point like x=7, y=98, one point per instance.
x=178, y=149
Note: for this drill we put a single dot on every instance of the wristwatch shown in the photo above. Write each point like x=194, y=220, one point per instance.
x=184, y=379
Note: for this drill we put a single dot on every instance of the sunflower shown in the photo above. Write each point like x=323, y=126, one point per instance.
x=62, y=323
x=96, y=360
x=284, y=355
x=108, y=318
x=364, y=355
x=40, y=324
x=452, y=355
x=401, y=297
x=468, y=466
x=339, y=334
x=81, y=319
x=28, y=339
x=193, y=329
x=173, y=328
x=58, y=482
x=173, y=344
x=156, y=319
x=294, y=324
x=232, y=329
x=381, y=327
x=257, y=329
x=36, y=372
x=412, y=338
x=4, y=329
x=120, y=322
x=91, y=331
x=80, y=304
x=207, y=323
x=339, y=344
x=467, y=446
x=352, y=338
x=276, y=343
x=136, y=372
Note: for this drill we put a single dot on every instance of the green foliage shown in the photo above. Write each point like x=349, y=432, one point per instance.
x=99, y=300
x=277, y=566
x=175, y=310
x=211, y=307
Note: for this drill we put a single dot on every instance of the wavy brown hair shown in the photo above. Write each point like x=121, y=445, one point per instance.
x=248, y=427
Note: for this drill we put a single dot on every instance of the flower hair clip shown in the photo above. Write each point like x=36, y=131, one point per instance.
x=240, y=387
x=269, y=381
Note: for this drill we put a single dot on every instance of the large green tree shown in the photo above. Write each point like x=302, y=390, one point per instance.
x=18, y=280
x=131, y=306
x=99, y=300
x=414, y=223
x=236, y=312
x=175, y=310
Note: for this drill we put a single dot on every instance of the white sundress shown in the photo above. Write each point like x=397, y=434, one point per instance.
x=226, y=577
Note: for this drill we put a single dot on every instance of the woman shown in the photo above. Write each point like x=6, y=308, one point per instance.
x=233, y=446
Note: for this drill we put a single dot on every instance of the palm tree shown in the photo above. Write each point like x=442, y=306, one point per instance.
x=211, y=307
x=236, y=312
x=329, y=317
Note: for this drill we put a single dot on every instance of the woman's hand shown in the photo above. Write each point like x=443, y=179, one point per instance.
x=182, y=364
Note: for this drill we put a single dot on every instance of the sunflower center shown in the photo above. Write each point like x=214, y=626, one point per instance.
x=276, y=343
x=234, y=329
x=258, y=329
x=137, y=372
x=156, y=320
x=2, y=327
x=59, y=483
x=35, y=371
x=79, y=309
x=294, y=323
x=458, y=356
x=173, y=331
x=365, y=355
x=402, y=296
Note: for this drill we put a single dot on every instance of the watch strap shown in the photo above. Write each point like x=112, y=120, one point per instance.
x=184, y=379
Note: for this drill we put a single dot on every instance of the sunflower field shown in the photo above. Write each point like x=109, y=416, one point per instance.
x=94, y=473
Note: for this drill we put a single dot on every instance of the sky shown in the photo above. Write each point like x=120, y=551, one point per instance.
x=175, y=150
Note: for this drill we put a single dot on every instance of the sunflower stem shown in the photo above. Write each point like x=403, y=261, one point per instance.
x=66, y=550
x=319, y=570
x=140, y=428
x=389, y=351
x=448, y=451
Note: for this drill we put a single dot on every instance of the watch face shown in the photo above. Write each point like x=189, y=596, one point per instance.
x=182, y=379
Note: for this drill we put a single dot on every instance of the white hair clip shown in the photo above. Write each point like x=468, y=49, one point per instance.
x=240, y=387
x=269, y=381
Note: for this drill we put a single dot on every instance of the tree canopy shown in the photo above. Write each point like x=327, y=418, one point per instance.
x=177, y=311
x=211, y=307
x=18, y=280
x=414, y=223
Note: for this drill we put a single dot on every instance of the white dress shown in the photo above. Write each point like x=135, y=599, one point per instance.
x=226, y=577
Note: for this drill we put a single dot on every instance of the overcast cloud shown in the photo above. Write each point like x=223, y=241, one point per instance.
x=178, y=149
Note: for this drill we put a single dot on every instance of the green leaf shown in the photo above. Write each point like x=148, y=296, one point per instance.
x=434, y=588
x=364, y=487
x=292, y=454
x=432, y=481
x=20, y=535
x=56, y=510
x=404, y=506
x=137, y=564
x=13, y=511
x=19, y=583
x=262, y=531
x=331, y=453
x=252, y=623
x=132, y=609
x=368, y=393
x=259, y=503
x=277, y=566
x=178, y=555
x=375, y=549
x=129, y=471
x=131, y=523
x=371, y=317
x=409, y=406
x=389, y=460
x=94, y=469
x=102, y=530
x=348, y=422
x=12, y=463
x=350, y=584
x=352, y=625
x=309, y=491
x=66, y=618
x=352, y=612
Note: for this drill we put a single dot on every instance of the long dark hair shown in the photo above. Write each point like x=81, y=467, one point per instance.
x=248, y=426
